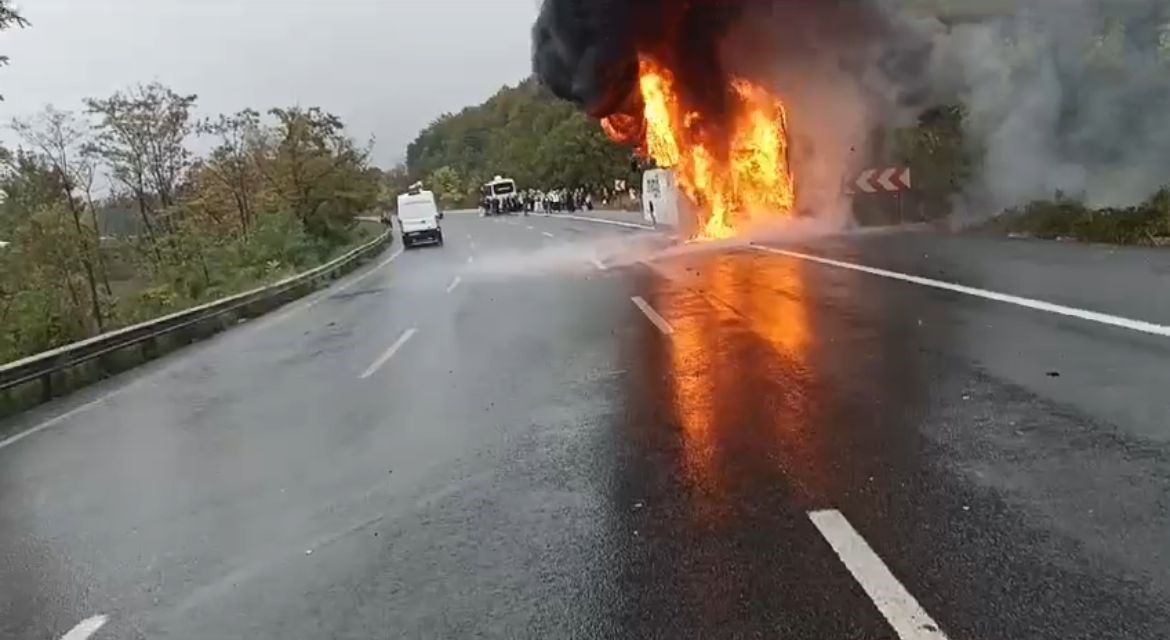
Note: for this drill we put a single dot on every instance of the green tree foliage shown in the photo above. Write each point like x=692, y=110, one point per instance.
x=9, y=18
x=318, y=172
x=1147, y=223
x=447, y=185
x=275, y=194
x=938, y=154
x=521, y=132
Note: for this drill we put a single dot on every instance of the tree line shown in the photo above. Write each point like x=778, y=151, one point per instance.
x=521, y=132
x=110, y=217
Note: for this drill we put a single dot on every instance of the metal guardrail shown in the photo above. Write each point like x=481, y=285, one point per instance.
x=43, y=365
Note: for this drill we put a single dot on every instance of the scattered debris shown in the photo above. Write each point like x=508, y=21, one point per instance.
x=1053, y=374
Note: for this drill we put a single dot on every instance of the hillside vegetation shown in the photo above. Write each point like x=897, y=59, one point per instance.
x=521, y=132
x=110, y=218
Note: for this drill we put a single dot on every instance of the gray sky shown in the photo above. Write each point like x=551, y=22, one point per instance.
x=387, y=67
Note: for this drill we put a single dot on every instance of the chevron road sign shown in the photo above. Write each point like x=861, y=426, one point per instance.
x=884, y=180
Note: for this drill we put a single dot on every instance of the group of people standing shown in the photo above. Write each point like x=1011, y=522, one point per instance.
x=557, y=200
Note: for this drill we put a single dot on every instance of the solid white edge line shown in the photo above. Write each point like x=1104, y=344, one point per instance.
x=895, y=603
x=650, y=313
x=547, y=234
x=86, y=628
x=296, y=308
x=268, y=323
x=1038, y=305
x=389, y=353
x=372, y=271
x=454, y=283
x=54, y=421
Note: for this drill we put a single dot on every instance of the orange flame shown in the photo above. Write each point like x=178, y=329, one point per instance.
x=748, y=182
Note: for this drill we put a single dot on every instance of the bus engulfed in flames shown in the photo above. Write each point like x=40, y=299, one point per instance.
x=733, y=168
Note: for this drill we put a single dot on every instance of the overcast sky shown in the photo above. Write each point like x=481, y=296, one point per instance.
x=387, y=67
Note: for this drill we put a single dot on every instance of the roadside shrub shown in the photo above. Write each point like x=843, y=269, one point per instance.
x=1145, y=224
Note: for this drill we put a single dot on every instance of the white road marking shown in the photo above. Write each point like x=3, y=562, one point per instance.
x=51, y=422
x=896, y=604
x=86, y=628
x=454, y=283
x=389, y=353
x=599, y=264
x=658, y=320
x=547, y=234
x=531, y=228
x=1039, y=305
x=347, y=285
x=470, y=259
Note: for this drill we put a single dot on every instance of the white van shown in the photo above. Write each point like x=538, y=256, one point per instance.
x=418, y=215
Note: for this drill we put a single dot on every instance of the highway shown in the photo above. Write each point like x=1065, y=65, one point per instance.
x=526, y=434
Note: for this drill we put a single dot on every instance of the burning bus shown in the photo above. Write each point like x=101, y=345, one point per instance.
x=660, y=89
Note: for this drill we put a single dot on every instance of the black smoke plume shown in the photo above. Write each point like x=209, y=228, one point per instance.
x=586, y=51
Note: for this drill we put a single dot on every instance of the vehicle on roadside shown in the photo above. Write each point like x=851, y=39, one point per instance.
x=418, y=217
x=500, y=196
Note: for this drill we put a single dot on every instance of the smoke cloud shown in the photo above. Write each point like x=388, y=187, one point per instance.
x=1070, y=97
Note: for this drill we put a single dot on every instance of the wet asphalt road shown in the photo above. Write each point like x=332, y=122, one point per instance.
x=537, y=458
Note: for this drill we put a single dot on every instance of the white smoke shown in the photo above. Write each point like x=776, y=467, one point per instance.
x=1068, y=97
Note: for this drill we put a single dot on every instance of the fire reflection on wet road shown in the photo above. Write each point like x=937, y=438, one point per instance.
x=728, y=450
x=738, y=366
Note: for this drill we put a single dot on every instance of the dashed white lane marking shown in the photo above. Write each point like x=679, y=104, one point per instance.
x=470, y=259
x=454, y=283
x=1039, y=305
x=261, y=324
x=658, y=320
x=599, y=264
x=389, y=353
x=896, y=604
x=547, y=234
x=86, y=628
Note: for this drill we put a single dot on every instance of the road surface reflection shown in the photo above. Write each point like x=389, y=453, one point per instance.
x=737, y=371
